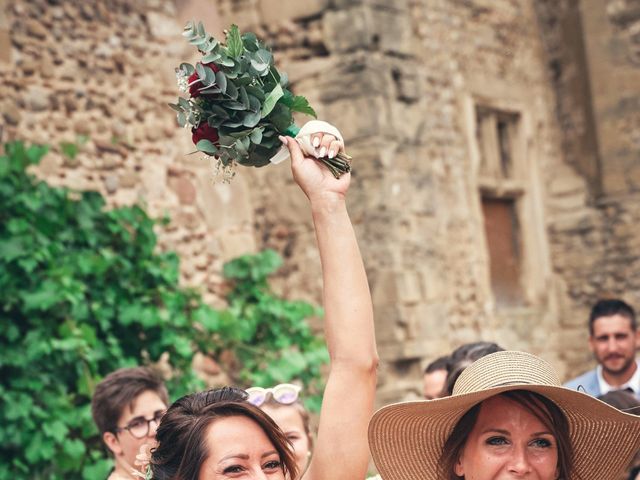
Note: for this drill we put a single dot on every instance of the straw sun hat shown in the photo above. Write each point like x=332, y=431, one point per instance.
x=407, y=439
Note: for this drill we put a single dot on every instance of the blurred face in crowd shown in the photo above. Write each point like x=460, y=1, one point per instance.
x=508, y=442
x=614, y=344
x=433, y=384
x=238, y=448
x=290, y=421
x=134, y=428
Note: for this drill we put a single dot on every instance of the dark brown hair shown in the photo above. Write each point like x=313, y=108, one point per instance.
x=622, y=400
x=609, y=307
x=541, y=407
x=182, y=446
x=120, y=389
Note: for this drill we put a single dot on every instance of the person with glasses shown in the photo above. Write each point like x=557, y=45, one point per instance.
x=219, y=435
x=283, y=405
x=127, y=407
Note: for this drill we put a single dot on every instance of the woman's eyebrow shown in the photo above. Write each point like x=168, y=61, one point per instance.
x=269, y=453
x=496, y=430
x=242, y=456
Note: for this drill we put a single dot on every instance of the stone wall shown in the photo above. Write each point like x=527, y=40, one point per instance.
x=401, y=80
x=102, y=72
x=592, y=53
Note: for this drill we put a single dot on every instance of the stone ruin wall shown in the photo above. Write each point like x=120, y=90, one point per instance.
x=593, y=54
x=392, y=77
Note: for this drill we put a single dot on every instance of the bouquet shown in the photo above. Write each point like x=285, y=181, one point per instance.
x=238, y=102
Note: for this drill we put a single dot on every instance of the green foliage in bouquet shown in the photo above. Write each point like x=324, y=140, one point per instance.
x=239, y=94
x=83, y=292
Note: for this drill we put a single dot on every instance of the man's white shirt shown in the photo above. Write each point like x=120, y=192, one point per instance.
x=633, y=383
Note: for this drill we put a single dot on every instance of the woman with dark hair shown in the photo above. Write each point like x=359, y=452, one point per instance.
x=508, y=418
x=195, y=426
x=219, y=435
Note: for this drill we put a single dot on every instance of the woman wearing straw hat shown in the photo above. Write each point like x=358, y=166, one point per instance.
x=509, y=418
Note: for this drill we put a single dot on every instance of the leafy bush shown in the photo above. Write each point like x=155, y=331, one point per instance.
x=83, y=292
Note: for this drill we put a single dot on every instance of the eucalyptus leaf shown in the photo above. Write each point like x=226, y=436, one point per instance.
x=182, y=119
x=184, y=103
x=256, y=92
x=206, y=146
x=240, y=147
x=212, y=44
x=233, y=123
x=226, y=61
x=210, y=77
x=221, y=81
x=263, y=56
x=243, y=80
x=188, y=30
x=211, y=57
x=281, y=118
x=259, y=66
x=177, y=108
x=232, y=91
x=244, y=98
x=219, y=111
x=234, y=42
x=200, y=70
x=201, y=30
x=284, y=79
x=233, y=105
x=197, y=41
x=252, y=119
x=250, y=41
x=271, y=100
x=210, y=90
x=256, y=135
x=254, y=104
x=187, y=68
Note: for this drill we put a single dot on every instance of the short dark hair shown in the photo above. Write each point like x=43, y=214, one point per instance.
x=609, y=307
x=120, y=389
x=182, y=448
x=464, y=356
x=622, y=400
x=440, y=363
x=551, y=416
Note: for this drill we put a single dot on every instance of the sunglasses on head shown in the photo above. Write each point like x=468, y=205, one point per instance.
x=285, y=393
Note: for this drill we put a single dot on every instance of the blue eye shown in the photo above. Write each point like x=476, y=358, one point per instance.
x=496, y=441
x=233, y=469
x=542, y=443
x=272, y=465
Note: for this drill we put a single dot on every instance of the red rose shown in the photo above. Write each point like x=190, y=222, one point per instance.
x=204, y=132
x=194, y=89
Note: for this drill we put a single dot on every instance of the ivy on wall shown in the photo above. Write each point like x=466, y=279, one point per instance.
x=84, y=291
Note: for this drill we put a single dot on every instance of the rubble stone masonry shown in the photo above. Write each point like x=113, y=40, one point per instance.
x=407, y=83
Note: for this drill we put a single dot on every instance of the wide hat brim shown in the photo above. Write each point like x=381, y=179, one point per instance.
x=407, y=439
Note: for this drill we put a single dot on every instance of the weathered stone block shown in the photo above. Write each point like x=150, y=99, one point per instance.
x=409, y=287
x=347, y=30
x=275, y=11
x=234, y=244
x=162, y=25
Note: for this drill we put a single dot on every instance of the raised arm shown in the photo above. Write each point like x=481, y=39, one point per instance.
x=341, y=450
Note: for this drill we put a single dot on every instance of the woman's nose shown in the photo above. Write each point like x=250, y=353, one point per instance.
x=519, y=463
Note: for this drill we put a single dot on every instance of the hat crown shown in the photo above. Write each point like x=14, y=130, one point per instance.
x=505, y=368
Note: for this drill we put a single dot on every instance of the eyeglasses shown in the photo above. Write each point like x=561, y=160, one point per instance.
x=285, y=393
x=139, y=427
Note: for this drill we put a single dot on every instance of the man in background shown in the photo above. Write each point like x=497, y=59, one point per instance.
x=614, y=340
x=434, y=378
